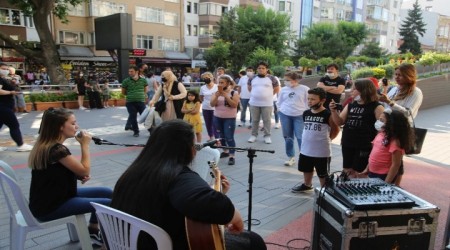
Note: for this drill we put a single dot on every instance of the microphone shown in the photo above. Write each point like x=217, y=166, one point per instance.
x=96, y=140
x=199, y=146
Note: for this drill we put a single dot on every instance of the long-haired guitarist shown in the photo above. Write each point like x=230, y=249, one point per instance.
x=159, y=187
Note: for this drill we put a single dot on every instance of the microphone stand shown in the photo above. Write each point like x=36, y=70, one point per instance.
x=251, y=155
x=99, y=141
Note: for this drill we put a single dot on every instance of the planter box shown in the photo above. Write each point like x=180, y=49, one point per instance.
x=71, y=104
x=120, y=102
x=41, y=106
x=29, y=106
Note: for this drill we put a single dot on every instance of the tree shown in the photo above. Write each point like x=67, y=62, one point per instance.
x=262, y=55
x=217, y=55
x=323, y=39
x=411, y=28
x=48, y=56
x=287, y=63
x=373, y=49
x=247, y=29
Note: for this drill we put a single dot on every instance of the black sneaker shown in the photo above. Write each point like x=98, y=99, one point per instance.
x=136, y=134
x=96, y=236
x=127, y=128
x=224, y=155
x=231, y=161
x=302, y=188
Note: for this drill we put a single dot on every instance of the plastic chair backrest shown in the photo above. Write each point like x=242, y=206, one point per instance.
x=19, y=200
x=121, y=230
x=5, y=167
x=200, y=162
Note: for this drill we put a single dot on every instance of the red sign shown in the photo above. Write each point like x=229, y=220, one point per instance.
x=13, y=59
x=138, y=52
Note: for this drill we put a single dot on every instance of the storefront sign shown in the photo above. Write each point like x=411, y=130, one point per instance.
x=138, y=52
x=198, y=64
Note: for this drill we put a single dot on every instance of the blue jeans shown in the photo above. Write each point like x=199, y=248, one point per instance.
x=80, y=204
x=244, y=106
x=133, y=108
x=208, y=116
x=291, y=126
x=225, y=127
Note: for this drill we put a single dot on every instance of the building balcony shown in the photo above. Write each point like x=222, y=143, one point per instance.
x=250, y=3
x=205, y=41
x=376, y=2
x=208, y=20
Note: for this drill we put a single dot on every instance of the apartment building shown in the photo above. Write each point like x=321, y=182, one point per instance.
x=18, y=27
x=437, y=6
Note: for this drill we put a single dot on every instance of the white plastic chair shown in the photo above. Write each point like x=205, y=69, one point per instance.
x=200, y=162
x=22, y=220
x=121, y=230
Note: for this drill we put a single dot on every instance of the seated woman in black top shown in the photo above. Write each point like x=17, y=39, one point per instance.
x=160, y=188
x=53, y=191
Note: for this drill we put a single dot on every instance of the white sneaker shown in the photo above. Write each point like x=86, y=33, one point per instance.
x=3, y=149
x=242, y=124
x=82, y=108
x=24, y=148
x=277, y=125
x=252, y=139
x=290, y=162
x=267, y=140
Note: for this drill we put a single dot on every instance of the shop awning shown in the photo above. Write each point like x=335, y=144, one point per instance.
x=176, y=55
x=67, y=50
x=90, y=59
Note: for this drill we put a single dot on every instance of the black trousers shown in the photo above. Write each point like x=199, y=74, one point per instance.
x=94, y=100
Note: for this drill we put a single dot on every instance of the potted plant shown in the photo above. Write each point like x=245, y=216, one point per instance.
x=70, y=100
x=43, y=101
x=118, y=97
x=28, y=103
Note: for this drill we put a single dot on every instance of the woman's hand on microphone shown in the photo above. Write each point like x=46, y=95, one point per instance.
x=85, y=138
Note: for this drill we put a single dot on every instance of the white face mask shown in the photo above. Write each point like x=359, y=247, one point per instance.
x=379, y=125
x=288, y=84
x=250, y=74
x=4, y=72
x=357, y=98
x=330, y=75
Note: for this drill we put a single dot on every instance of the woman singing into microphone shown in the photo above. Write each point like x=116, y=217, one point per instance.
x=55, y=171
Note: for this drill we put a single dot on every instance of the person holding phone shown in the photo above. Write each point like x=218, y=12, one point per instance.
x=358, y=118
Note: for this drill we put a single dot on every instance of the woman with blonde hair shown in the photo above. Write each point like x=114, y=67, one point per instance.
x=406, y=97
x=173, y=93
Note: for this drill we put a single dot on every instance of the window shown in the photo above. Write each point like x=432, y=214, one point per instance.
x=327, y=13
x=151, y=15
x=105, y=8
x=144, y=42
x=195, y=8
x=76, y=10
x=10, y=17
x=173, y=1
x=168, y=44
x=28, y=20
x=212, y=9
x=195, y=30
x=188, y=31
x=71, y=37
x=429, y=8
x=340, y=14
x=170, y=19
x=391, y=43
x=282, y=6
x=189, y=7
x=204, y=31
x=395, y=4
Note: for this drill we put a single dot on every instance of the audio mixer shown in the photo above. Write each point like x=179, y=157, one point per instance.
x=368, y=193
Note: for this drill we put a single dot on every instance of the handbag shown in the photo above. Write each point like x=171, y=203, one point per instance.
x=160, y=106
x=419, y=138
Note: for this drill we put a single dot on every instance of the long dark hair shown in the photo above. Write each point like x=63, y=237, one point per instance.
x=195, y=94
x=367, y=89
x=144, y=185
x=397, y=127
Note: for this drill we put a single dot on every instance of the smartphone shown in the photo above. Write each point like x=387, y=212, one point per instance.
x=339, y=107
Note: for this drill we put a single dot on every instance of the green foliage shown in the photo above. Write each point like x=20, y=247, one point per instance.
x=278, y=70
x=411, y=28
x=388, y=69
x=264, y=55
x=246, y=29
x=362, y=73
x=379, y=73
x=70, y=96
x=117, y=95
x=217, y=55
x=329, y=40
x=287, y=63
x=340, y=63
x=304, y=62
x=46, y=97
x=352, y=59
x=323, y=62
x=428, y=59
x=373, y=49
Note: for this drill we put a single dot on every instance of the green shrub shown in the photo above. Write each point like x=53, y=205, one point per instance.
x=47, y=97
x=389, y=70
x=362, y=73
x=278, y=70
x=116, y=95
x=379, y=73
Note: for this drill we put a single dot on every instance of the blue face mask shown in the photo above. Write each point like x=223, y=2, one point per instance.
x=379, y=125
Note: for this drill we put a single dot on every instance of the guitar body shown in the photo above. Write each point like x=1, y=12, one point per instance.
x=203, y=236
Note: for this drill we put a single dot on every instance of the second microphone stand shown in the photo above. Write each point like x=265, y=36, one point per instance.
x=251, y=155
x=99, y=141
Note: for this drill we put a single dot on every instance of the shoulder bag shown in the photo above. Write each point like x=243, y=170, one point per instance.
x=419, y=138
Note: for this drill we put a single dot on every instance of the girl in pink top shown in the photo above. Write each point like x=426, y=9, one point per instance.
x=394, y=136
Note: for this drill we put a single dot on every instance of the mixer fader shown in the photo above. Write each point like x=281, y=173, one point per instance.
x=368, y=193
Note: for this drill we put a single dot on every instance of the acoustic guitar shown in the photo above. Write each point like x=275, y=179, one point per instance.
x=203, y=236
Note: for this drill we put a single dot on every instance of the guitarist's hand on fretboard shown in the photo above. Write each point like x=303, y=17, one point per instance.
x=225, y=184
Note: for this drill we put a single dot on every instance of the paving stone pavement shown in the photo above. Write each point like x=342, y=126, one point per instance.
x=273, y=204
